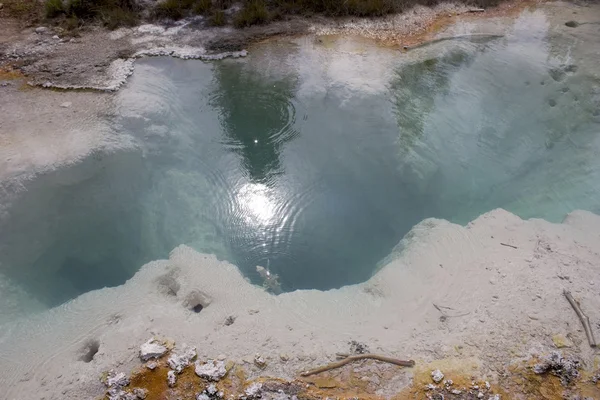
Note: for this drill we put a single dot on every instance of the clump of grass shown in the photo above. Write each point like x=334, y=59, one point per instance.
x=111, y=13
x=217, y=18
x=202, y=7
x=54, y=8
x=254, y=12
x=28, y=10
x=114, y=18
x=173, y=9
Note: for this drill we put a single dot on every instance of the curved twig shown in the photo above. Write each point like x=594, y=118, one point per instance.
x=582, y=317
x=349, y=359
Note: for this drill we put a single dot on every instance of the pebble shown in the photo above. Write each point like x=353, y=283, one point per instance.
x=151, y=366
x=55, y=37
x=171, y=378
x=41, y=29
x=140, y=393
x=437, y=376
x=221, y=357
x=259, y=361
x=455, y=391
x=284, y=357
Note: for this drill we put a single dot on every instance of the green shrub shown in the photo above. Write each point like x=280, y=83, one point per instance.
x=217, y=18
x=54, y=8
x=254, y=12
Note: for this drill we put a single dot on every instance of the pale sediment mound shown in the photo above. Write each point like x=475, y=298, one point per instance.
x=501, y=298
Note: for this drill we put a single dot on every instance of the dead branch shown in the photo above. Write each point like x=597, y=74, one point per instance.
x=509, y=245
x=349, y=359
x=582, y=317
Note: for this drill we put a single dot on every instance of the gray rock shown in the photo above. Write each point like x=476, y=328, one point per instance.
x=202, y=396
x=140, y=393
x=150, y=349
x=41, y=30
x=212, y=370
x=182, y=358
x=55, y=37
x=68, y=104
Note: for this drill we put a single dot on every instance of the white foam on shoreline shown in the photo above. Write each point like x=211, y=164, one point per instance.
x=465, y=268
x=121, y=69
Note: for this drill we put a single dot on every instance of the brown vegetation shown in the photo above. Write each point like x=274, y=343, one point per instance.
x=71, y=14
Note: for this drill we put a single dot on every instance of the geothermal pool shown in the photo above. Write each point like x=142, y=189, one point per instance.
x=313, y=157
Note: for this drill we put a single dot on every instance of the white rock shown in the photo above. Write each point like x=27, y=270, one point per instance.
x=114, y=380
x=171, y=378
x=212, y=370
x=253, y=390
x=140, y=393
x=455, y=391
x=430, y=386
x=480, y=395
x=67, y=104
x=202, y=396
x=55, y=37
x=41, y=29
x=150, y=349
x=437, y=376
x=182, y=359
x=212, y=389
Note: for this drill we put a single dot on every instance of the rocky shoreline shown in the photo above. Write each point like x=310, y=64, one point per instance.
x=98, y=59
x=508, y=320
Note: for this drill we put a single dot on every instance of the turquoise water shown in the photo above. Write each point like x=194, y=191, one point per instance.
x=314, y=157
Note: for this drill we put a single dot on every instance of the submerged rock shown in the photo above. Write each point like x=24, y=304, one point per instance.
x=152, y=349
x=212, y=370
x=182, y=359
